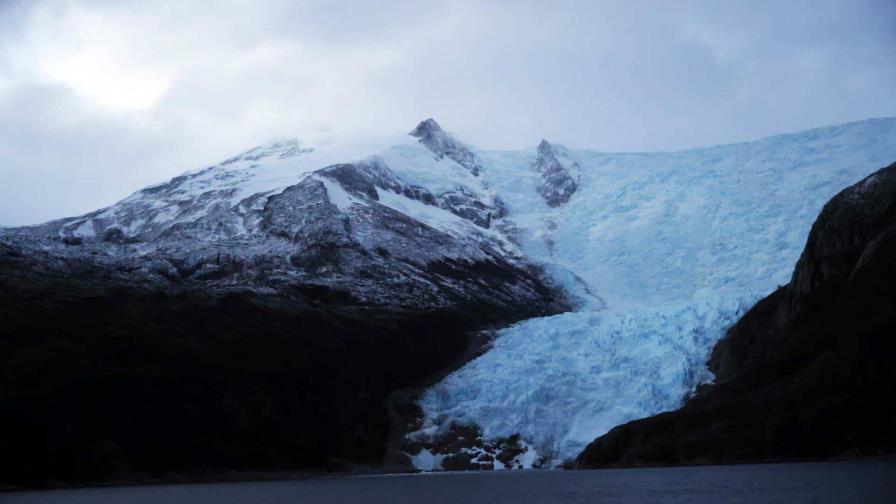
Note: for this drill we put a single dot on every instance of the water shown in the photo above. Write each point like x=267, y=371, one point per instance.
x=839, y=482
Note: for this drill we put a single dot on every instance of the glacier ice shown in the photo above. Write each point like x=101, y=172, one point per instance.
x=560, y=381
x=665, y=250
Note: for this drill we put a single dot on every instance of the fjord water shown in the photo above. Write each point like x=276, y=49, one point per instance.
x=866, y=482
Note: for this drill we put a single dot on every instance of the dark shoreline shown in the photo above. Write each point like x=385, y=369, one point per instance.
x=822, y=482
x=286, y=476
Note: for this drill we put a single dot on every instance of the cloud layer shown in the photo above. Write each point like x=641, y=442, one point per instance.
x=98, y=98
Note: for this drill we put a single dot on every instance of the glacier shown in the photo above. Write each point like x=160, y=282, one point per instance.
x=665, y=251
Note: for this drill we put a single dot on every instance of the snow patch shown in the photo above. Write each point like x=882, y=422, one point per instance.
x=337, y=195
x=85, y=230
x=417, y=165
x=430, y=215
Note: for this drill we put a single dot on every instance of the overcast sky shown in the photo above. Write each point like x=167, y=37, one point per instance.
x=100, y=98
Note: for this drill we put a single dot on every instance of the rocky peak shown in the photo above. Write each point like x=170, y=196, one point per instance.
x=558, y=181
x=434, y=138
x=427, y=127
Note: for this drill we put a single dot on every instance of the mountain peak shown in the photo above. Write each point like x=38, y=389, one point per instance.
x=426, y=128
x=440, y=143
x=558, y=181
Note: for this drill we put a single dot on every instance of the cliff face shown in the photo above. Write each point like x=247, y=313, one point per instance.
x=558, y=181
x=807, y=372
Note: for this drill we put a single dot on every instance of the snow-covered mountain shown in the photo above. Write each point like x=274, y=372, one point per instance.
x=256, y=314
x=347, y=217
x=661, y=252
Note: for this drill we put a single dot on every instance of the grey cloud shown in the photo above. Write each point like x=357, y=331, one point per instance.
x=609, y=75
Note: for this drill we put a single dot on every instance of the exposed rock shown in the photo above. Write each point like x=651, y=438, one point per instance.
x=845, y=238
x=442, y=144
x=558, y=181
x=807, y=372
x=462, y=447
x=460, y=201
x=463, y=203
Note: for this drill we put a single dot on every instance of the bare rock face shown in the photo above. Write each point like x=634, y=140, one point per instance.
x=558, y=182
x=464, y=448
x=442, y=144
x=845, y=238
x=460, y=201
x=807, y=372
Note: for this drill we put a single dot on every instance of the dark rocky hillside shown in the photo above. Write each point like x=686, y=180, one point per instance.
x=810, y=371
x=106, y=380
x=200, y=326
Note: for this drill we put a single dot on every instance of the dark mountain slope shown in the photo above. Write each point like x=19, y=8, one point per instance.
x=256, y=334
x=810, y=371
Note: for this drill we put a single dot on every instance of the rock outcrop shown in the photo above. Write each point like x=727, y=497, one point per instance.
x=460, y=201
x=558, y=182
x=441, y=144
